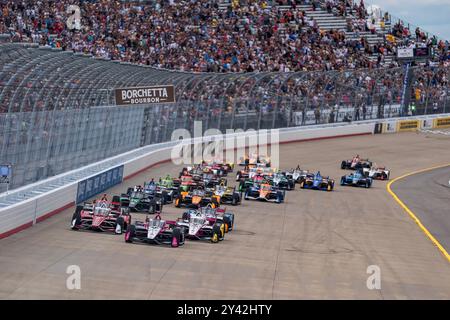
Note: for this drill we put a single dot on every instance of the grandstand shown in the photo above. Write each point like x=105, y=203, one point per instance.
x=57, y=108
x=230, y=36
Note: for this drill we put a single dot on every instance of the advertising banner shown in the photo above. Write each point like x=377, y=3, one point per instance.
x=390, y=127
x=427, y=124
x=97, y=184
x=408, y=125
x=404, y=53
x=145, y=95
x=441, y=123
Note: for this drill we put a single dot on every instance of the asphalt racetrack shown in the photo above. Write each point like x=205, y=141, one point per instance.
x=427, y=194
x=317, y=245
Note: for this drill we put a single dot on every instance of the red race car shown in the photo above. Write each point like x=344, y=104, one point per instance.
x=102, y=216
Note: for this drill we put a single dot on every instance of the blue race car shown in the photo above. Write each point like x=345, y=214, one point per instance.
x=265, y=192
x=356, y=179
x=317, y=182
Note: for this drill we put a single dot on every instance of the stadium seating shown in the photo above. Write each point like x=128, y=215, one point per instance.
x=244, y=35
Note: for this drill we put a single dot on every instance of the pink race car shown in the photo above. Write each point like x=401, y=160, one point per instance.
x=102, y=216
x=156, y=231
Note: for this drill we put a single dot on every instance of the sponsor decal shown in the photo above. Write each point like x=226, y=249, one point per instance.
x=408, y=125
x=427, y=124
x=403, y=53
x=145, y=95
x=390, y=127
x=442, y=123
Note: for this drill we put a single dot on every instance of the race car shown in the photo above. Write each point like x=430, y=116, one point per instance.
x=228, y=195
x=156, y=231
x=281, y=181
x=377, y=173
x=265, y=192
x=211, y=180
x=245, y=184
x=197, y=198
x=125, y=198
x=317, y=182
x=221, y=214
x=195, y=172
x=140, y=201
x=356, y=179
x=250, y=172
x=167, y=189
x=356, y=163
x=102, y=216
x=188, y=182
x=220, y=169
x=203, y=227
x=244, y=173
x=255, y=159
x=220, y=164
x=296, y=174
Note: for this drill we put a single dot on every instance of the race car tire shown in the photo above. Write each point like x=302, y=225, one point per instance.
x=115, y=199
x=76, y=219
x=152, y=207
x=330, y=187
x=241, y=185
x=221, y=230
x=280, y=197
x=367, y=185
x=130, y=233
x=182, y=235
x=291, y=185
x=120, y=223
x=178, y=202
x=226, y=227
x=223, y=182
x=384, y=176
x=185, y=230
x=228, y=219
x=215, y=238
x=302, y=184
x=343, y=164
x=342, y=181
x=166, y=197
x=176, y=238
x=215, y=202
x=246, y=195
x=159, y=207
x=238, y=177
x=235, y=201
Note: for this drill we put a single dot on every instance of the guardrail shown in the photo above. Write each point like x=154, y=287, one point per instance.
x=28, y=205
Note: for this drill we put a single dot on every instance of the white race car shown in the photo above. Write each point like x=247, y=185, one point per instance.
x=297, y=174
x=203, y=225
x=377, y=173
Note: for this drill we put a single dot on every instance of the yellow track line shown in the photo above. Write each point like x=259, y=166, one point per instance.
x=412, y=215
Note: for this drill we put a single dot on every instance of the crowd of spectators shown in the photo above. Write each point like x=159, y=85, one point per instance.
x=198, y=35
x=248, y=36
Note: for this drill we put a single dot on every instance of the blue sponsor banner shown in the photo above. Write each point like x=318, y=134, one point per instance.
x=97, y=184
